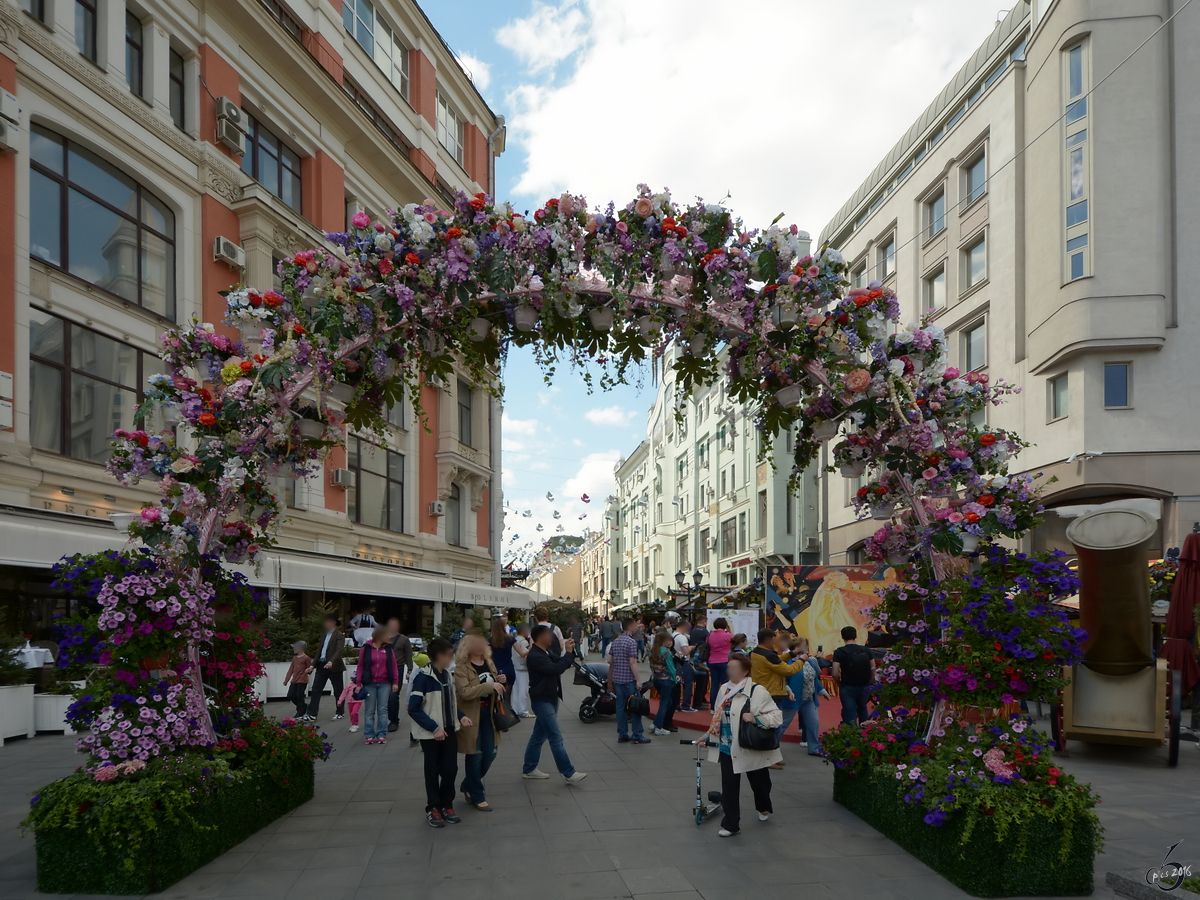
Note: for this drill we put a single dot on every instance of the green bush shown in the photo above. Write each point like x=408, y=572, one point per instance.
x=984, y=866
x=79, y=861
x=282, y=629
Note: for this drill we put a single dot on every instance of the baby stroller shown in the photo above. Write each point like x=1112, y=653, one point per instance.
x=601, y=702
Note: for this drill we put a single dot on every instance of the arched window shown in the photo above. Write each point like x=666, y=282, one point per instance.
x=90, y=219
x=454, y=517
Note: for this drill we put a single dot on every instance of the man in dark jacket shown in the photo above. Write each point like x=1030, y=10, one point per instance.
x=328, y=667
x=402, y=648
x=545, y=690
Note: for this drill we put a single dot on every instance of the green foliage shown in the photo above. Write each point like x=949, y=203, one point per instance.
x=12, y=670
x=452, y=618
x=982, y=863
x=312, y=627
x=142, y=836
x=282, y=629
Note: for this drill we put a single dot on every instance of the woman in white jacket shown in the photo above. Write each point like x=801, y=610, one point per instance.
x=740, y=699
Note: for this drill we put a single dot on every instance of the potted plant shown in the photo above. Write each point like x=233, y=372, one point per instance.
x=281, y=629
x=50, y=708
x=16, y=695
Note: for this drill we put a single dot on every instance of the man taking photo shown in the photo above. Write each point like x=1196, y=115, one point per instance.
x=545, y=690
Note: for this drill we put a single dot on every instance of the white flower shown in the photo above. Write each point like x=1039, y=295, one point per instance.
x=896, y=367
x=829, y=256
x=903, y=337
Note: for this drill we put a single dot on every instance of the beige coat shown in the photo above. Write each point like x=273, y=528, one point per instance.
x=470, y=690
x=769, y=716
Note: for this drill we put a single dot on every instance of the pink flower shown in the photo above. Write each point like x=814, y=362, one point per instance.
x=951, y=372
x=151, y=514
x=430, y=218
x=930, y=474
x=814, y=321
x=622, y=227
x=814, y=271
x=360, y=220
x=955, y=518
x=644, y=207
x=857, y=380
x=107, y=773
x=793, y=279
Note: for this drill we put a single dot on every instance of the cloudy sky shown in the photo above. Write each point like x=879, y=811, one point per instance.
x=784, y=106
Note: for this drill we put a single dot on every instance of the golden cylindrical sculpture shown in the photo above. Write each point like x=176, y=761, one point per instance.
x=1114, y=600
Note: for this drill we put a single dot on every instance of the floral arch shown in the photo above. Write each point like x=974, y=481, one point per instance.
x=408, y=299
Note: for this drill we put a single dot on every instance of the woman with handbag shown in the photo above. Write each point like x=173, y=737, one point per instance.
x=477, y=684
x=663, y=674
x=742, y=738
x=377, y=676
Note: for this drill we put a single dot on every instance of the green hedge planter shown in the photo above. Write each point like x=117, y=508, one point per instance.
x=72, y=861
x=985, y=866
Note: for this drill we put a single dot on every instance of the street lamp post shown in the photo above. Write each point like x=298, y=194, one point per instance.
x=697, y=577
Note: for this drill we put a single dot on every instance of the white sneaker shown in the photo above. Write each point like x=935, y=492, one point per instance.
x=762, y=816
x=661, y=732
x=576, y=778
x=353, y=728
x=725, y=832
x=535, y=775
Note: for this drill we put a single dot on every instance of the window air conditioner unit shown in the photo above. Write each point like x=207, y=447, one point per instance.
x=8, y=137
x=437, y=507
x=703, y=463
x=9, y=107
x=230, y=112
x=712, y=543
x=812, y=543
x=731, y=496
x=342, y=478
x=226, y=251
x=231, y=136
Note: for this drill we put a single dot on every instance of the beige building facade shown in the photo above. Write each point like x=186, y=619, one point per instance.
x=1040, y=211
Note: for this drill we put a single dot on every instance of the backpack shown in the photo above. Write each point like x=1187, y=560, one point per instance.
x=857, y=669
x=703, y=652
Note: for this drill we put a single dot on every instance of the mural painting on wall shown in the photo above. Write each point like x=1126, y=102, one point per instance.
x=818, y=601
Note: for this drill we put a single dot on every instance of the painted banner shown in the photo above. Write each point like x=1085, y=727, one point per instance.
x=816, y=602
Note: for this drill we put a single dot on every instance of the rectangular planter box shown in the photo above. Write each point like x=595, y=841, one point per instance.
x=75, y=861
x=50, y=712
x=984, y=866
x=16, y=711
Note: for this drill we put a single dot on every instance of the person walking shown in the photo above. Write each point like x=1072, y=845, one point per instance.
x=804, y=689
x=720, y=641
x=433, y=709
x=683, y=652
x=771, y=671
x=468, y=625
x=541, y=617
x=639, y=635
x=663, y=672
x=609, y=629
x=623, y=675
x=520, y=695
x=741, y=700
x=577, y=635
x=854, y=667
x=328, y=668
x=502, y=643
x=296, y=679
x=700, y=674
x=477, y=684
x=402, y=649
x=545, y=691
x=378, y=673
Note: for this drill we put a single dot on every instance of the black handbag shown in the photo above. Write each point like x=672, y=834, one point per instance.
x=752, y=736
x=503, y=718
x=637, y=705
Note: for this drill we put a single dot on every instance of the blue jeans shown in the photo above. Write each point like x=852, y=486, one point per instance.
x=476, y=765
x=604, y=642
x=686, y=677
x=546, y=729
x=718, y=672
x=666, y=702
x=811, y=721
x=375, y=720
x=623, y=692
x=854, y=703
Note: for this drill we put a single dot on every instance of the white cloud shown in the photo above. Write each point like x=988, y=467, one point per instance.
x=523, y=427
x=789, y=127
x=547, y=36
x=594, y=478
x=480, y=72
x=613, y=416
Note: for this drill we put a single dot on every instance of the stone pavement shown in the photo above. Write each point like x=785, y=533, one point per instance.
x=625, y=832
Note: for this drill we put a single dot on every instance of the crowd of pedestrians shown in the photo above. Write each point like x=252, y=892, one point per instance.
x=465, y=692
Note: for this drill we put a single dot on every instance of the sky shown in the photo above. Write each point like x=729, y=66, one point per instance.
x=782, y=106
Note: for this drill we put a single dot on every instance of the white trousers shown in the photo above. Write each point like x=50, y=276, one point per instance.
x=520, y=695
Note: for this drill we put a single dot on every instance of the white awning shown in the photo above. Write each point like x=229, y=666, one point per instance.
x=40, y=541
x=468, y=594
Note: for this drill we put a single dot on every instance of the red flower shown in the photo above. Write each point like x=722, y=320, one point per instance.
x=862, y=492
x=246, y=365
x=552, y=202
x=273, y=299
x=881, y=489
x=412, y=259
x=862, y=300
x=297, y=328
x=987, y=439
x=453, y=232
x=255, y=299
x=207, y=419
x=856, y=753
x=971, y=518
x=477, y=204
x=986, y=500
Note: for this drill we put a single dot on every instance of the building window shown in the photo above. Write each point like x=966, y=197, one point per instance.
x=454, y=517
x=762, y=514
x=935, y=214
x=975, y=179
x=684, y=561
x=92, y=220
x=1116, y=385
x=83, y=386
x=178, y=104
x=728, y=538
x=975, y=261
x=790, y=512
x=464, y=413
x=1077, y=162
x=35, y=8
x=133, y=53
x=359, y=18
x=859, y=276
x=450, y=128
x=377, y=497
x=704, y=551
x=934, y=289
x=636, y=570
x=272, y=163
x=681, y=467
x=85, y=27
x=975, y=347
x=887, y=258
x=391, y=56
x=1057, y=399
x=742, y=532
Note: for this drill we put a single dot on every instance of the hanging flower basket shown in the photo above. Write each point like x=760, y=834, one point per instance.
x=826, y=431
x=970, y=542
x=525, y=318
x=479, y=329
x=784, y=316
x=696, y=346
x=601, y=318
x=342, y=393
x=310, y=429
x=883, y=511
x=648, y=325
x=789, y=396
x=122, y=521
x=854, y=469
